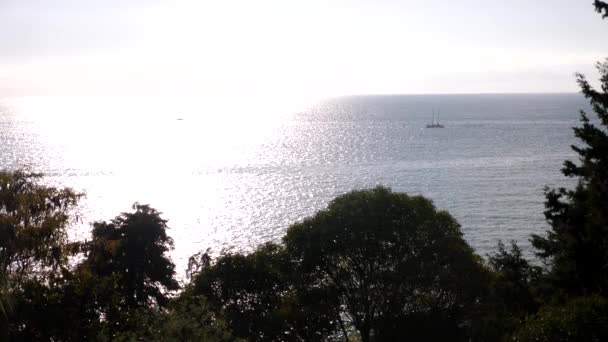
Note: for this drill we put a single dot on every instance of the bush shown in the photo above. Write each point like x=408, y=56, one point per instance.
x=581, y=319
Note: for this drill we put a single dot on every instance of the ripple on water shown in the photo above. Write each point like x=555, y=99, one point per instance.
x=240, y=184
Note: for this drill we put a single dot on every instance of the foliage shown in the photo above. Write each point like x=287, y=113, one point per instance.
x=63, y=308
x=33, y=222
x=33, y=239
x=133, y=246
x=515, y=279
x=187, y=319
x=128, y=256
x=515, y=287
x=575, y=247
x=259, y=297
x=124, y=271
x=399, y=268
x=582, y=319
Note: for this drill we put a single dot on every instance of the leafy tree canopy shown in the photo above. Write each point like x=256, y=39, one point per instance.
x=515, y=278
x=133, y=246
x=63, y=308
x=261, y=298
x=187, y=319
x=515, y=287
x=33, y=222
x=34, y=244
x=399, y=267
x=582, y=319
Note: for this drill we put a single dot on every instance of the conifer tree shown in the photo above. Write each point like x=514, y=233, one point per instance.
x=576, y=246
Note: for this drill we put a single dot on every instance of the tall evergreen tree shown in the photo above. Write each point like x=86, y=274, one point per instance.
x=576, y=246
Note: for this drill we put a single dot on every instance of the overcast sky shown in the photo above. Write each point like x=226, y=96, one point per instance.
x=306, y=47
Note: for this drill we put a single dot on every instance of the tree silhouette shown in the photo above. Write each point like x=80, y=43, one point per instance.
x=261, y=298
x=399, y=268
x=33, y=237
x=575, y=246
x=581, y=319
x=133, y=247
x=33, y=222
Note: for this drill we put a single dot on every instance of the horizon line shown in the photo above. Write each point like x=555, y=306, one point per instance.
x=464, y=93
x=321, y=96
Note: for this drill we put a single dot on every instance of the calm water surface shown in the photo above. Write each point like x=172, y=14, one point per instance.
x=233, y=176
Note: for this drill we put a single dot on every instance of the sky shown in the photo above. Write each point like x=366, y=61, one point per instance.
x=296, y=48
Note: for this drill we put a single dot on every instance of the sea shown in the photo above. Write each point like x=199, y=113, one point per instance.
x=235, y=173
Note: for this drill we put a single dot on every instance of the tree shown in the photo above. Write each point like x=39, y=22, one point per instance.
x=33, y=225
x=515, y=279
x=67, y=307
x=124, y=272
x=581, y=319
x=187, y=319
x=515, y=287
x=132, y=248
x=33, y=235
x=575, y=246
x=399, y=268
x=261, y=298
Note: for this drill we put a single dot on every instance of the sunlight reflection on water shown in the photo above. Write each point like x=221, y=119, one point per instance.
x=238, y=175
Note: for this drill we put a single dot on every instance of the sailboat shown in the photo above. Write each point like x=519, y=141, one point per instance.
x=434, y=124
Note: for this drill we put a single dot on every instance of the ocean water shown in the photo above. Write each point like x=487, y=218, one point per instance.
x=236, y=175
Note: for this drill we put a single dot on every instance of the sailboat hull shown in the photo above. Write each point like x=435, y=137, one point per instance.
x=434, y=124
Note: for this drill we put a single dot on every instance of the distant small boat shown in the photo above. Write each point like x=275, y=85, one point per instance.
x=434, y=124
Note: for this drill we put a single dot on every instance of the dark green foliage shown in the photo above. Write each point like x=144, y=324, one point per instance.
x=399, y=268
x=187, y=319
x=125, y=273
x=65, y=308
x=132, y=247
x=582, y=319
x=515, y=279
x=33, y=237
x=127, y=260
x=260, y=298
x=33, y=222
x=514, y=292
x=575, y=247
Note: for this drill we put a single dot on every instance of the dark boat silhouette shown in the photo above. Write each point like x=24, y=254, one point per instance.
x=434, y=124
